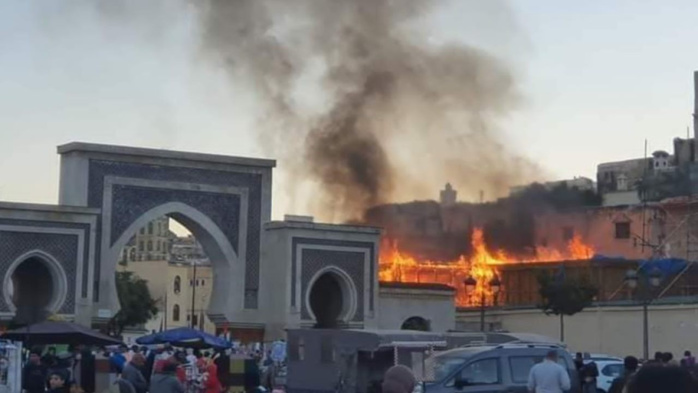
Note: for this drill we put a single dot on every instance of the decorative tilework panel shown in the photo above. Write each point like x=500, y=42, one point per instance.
x=337, y=243
x=63, y=225
x=131, y=202
x=352, y=262
x=64, y=248
x=98, y=169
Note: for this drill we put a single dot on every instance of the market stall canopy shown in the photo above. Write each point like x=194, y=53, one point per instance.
x=54, y=332
x=185, y=337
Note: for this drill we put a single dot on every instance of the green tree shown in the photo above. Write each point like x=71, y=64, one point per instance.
x=562, y=295
x=137, y=306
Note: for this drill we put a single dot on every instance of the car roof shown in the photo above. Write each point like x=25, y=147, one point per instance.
x=467, y=351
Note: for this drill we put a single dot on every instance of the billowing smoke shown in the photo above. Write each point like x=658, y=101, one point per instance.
x=397, y=117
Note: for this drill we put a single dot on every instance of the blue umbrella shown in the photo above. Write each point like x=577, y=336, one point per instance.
x=185, y=337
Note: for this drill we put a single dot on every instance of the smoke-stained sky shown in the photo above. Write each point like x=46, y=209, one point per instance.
x=587, y=90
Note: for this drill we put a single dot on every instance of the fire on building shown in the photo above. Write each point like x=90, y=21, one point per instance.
x=482, y=266
x=599, y=243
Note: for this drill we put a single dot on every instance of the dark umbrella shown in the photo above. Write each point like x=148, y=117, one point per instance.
x=50, y=332
x=185, y=337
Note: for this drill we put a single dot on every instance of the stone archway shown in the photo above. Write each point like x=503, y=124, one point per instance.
x=223, y=201
x=331, y=298
x=223, y=257
x=34, y=286
x=416, y=323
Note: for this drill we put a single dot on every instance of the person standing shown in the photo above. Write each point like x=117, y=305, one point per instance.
x=83, y=370
x=34, y=374
x=588, y=375
x=211, y=382
x=117, y=361
x=49, y=359
x=58, y=382
x=688, y=360
x=630, y=364
x=165, y=381
x=133, y=374
x=548, y=376
x=662, y=379
x=398, y=379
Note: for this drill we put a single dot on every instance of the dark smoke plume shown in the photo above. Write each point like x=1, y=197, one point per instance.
x=400, y=116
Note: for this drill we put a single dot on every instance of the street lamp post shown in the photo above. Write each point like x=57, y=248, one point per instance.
x=471, y=285
x=633, y=281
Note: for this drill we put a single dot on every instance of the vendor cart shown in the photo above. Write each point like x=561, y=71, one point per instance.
x=353, y=361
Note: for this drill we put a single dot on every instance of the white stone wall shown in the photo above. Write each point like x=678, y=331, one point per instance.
x=610, y=330
x=396, y=305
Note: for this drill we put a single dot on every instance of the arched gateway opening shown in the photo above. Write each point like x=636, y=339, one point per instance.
x=34, y=287
x=182, y=256
x=166, y=258
x=331, y=299
x=416, y=323
x=326, y=301
x=32, y=284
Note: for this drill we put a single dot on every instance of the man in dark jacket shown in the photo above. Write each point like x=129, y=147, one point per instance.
x=588, y=375
x=34, y=374
x=630, y=365
x=132, y=373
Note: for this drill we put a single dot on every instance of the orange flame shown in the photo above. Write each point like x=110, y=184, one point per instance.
x=395, y=265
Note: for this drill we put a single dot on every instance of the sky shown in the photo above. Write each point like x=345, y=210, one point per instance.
x=599, y=78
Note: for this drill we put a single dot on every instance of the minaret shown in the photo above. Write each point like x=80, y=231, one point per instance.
x=448, y=195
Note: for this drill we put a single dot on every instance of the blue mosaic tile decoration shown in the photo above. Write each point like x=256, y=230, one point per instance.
x=64, y=248
x=63, y=225
x=221, y=208
x=352, y=262
x=297, y=241
x=131, y=202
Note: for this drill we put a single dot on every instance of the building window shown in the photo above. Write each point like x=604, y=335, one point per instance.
x=567, y=233
x=175, y=313
x=177, y=285
x=195, y=320
x=150, y=245
x=132, y=254
x=203, y=282
x=150, y=228
x=622, y=230
x=142, y=231
x=141, y=246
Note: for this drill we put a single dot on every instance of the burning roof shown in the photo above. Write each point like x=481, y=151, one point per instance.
x=483, y=265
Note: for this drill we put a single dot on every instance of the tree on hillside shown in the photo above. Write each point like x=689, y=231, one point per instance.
x=137, y=306
x=562, y=295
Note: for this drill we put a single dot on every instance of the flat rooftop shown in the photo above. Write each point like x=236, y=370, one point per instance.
x=116, y=150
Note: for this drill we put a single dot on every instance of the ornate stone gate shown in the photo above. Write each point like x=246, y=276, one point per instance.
x=222, y=200
x=267, y=275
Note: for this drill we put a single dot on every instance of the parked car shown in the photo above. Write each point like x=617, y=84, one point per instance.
x=609, y=368
x=490, y=368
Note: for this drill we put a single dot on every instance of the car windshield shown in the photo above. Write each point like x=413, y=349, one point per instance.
x=440, y=366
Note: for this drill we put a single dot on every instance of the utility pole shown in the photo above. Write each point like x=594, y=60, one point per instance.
x=193, y=296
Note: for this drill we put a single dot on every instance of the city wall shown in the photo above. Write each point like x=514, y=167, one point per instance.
x=613, y=330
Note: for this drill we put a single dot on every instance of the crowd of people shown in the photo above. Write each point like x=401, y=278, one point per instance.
x=138, y=370
x=72, y=372
x=663, y=374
